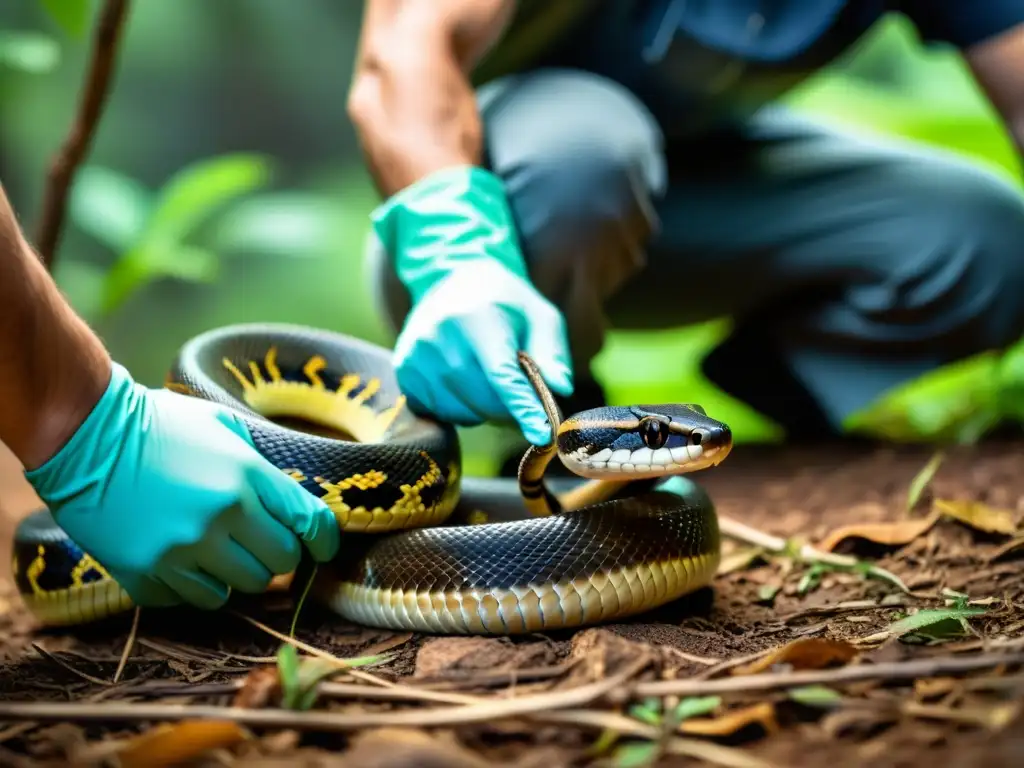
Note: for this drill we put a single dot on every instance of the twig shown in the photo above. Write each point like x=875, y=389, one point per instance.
x=734, y=529
x=766, y=682
x=79, y=138
x=485, y=711
x=128, y=645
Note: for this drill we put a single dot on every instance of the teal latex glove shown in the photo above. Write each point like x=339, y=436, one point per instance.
x=454, y=247
x=168, y=493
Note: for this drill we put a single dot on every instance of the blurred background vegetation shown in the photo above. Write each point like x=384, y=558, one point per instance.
x=225, y=185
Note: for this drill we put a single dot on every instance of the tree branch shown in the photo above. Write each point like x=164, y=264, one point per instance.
x=67, y=160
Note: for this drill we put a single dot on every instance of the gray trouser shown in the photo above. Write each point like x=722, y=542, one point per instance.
x=848, y=265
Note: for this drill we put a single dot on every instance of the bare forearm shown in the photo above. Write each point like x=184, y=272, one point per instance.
x=411, y=100
x=53, y=368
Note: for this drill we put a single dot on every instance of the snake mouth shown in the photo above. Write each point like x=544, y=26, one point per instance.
x=644, y=463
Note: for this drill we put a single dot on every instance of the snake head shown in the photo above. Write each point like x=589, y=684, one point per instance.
x=642, y=441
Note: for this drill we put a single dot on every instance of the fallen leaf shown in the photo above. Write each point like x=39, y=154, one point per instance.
x=260, y=687
x=180, y=743
x=894, y=534
x=805, y=653
x=409, y=748
x=388, y=645
x=762, y=713
x=977, y=515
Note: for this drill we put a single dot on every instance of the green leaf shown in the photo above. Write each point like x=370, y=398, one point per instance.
x=144, y=265
x=71, y=15
x=636, y=755
x=110, y=206
x=646, y=713
x=29, y=51
x=194, y=192
x=814, y=696
x=767, y=592
x=128, y=275
x=279, y=224
x=694, y=706
x=184, y=262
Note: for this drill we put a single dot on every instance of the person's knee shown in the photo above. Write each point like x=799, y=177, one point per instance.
x=956, y=268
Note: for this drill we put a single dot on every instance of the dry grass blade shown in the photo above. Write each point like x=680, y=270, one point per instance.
x=922, y=479
x=128, y=645
x=312, y=651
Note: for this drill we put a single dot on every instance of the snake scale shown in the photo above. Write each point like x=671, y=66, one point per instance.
x=424, y=548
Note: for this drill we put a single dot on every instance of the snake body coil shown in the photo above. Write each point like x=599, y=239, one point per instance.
x=426, y=553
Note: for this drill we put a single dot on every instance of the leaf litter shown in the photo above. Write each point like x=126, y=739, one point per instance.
x=768, y=670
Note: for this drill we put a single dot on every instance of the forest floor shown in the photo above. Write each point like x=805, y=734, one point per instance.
x=782, y=663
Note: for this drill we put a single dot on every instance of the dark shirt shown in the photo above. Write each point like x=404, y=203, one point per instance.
x=698, y=62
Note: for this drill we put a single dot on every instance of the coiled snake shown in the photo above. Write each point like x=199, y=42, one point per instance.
x=431, y=550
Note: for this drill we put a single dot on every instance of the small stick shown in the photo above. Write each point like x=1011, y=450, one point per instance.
x=79, y=138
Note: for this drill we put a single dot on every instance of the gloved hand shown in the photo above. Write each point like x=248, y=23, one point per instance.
x=454, y=247
x=168, y=493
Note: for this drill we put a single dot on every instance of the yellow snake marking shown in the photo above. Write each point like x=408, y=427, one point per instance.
x=35, y=570
x=312, y=401
x=571, y=425
x=409, y=507
x=83, y=566
x=77, y=575
x=295, y=474
x=477, y=517
x=312, y=370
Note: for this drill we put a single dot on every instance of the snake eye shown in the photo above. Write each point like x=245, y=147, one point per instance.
x=654, y=432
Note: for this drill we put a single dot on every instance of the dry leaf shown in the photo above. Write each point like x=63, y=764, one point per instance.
x=181, y=742
x=891, y=534
x=408, y=748
x=762, y=714
x=261, y=686
x=387, y=645
x=977, y=515
x=806, y=653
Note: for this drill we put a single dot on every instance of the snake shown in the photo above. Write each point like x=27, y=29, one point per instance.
x=425, y=548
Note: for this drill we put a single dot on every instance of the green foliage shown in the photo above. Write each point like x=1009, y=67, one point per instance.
x=29, y=52
x=71, y=15
x=149, y=231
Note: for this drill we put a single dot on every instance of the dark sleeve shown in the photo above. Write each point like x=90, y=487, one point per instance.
x=962, y=23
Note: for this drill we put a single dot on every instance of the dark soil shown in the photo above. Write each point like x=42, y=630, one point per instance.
x=963, y=720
